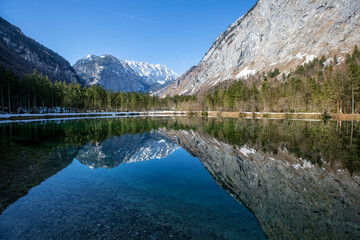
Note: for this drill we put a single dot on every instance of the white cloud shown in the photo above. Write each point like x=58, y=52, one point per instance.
x=135, y=17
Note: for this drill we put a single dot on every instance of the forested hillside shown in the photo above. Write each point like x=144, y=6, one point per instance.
x=35, y=93
x=312, y=87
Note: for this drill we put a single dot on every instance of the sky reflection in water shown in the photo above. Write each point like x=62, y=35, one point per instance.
x=144, y=178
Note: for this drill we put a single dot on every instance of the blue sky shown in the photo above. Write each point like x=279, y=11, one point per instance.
x=176, y=33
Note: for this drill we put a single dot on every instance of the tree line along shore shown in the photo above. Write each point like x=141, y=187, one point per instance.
x=320, y=86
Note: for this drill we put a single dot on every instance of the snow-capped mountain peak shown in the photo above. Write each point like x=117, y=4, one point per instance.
x=123, y=75
x=153, y=73
x=90, y=56
x=110, y=72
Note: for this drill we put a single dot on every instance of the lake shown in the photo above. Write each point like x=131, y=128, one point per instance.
x=179, y=178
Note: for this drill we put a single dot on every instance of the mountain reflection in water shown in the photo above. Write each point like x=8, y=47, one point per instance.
x=126, y=149
x=299, y=179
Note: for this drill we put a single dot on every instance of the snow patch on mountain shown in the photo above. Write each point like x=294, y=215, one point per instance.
x=246, y=72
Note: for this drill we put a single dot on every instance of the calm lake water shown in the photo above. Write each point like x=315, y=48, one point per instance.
x=179, y=178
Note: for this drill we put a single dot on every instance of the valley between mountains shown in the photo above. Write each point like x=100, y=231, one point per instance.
x=281, y=56
x=122, y=138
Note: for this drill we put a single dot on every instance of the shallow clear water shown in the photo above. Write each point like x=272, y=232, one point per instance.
x=171, y=197
x=179, y=178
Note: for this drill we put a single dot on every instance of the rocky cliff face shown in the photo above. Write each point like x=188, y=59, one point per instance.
x=275, y=34
x=22, y=55
x=118, y=75
x=291, y=198
x=126, y=149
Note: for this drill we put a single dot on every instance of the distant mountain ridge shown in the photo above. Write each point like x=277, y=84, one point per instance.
x=22, y=55
x=123, y=75
x=274, y=34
